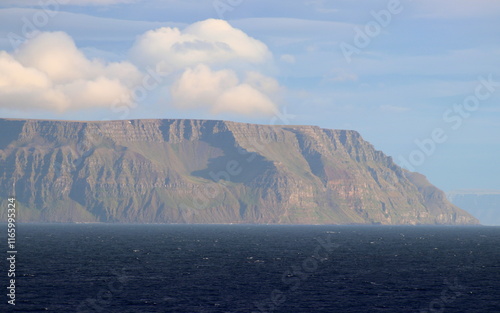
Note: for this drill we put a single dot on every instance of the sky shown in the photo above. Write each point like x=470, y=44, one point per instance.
x=420, y=80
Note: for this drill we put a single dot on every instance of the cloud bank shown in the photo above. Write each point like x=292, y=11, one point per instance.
x=209, y=42
x=223, y=92
x=215, y=67
x=50, y=73
x=209, y=65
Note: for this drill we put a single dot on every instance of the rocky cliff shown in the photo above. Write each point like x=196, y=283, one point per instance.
x=199, y=171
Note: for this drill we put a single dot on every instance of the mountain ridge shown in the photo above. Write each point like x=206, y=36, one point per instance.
x=209, y=171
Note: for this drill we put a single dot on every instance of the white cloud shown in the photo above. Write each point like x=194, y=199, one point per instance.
x=223, y=92
x=209, y=42
x=50, y=73
x=215, y=67
x=208, y=65
x=244, y=99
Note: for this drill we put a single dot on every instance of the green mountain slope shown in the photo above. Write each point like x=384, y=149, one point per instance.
x=197, y=171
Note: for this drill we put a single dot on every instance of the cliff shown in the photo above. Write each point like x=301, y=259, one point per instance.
x=199, y=171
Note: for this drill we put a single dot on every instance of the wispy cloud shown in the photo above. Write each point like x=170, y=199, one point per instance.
x=66, y=2
x=321, y=6
x=19, y=24
x=288, y=58
x=393, y=108
x=453, y=9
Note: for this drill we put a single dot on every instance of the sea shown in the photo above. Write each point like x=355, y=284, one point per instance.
x=253, y=268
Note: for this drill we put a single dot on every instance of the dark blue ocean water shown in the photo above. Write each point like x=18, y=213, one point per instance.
x=243, y=268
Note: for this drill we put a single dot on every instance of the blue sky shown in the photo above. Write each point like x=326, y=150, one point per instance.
x=420, y=80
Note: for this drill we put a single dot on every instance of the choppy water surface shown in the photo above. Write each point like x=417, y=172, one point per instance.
x=249, y=268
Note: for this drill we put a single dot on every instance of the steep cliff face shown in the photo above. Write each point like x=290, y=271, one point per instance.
x=196, y=171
